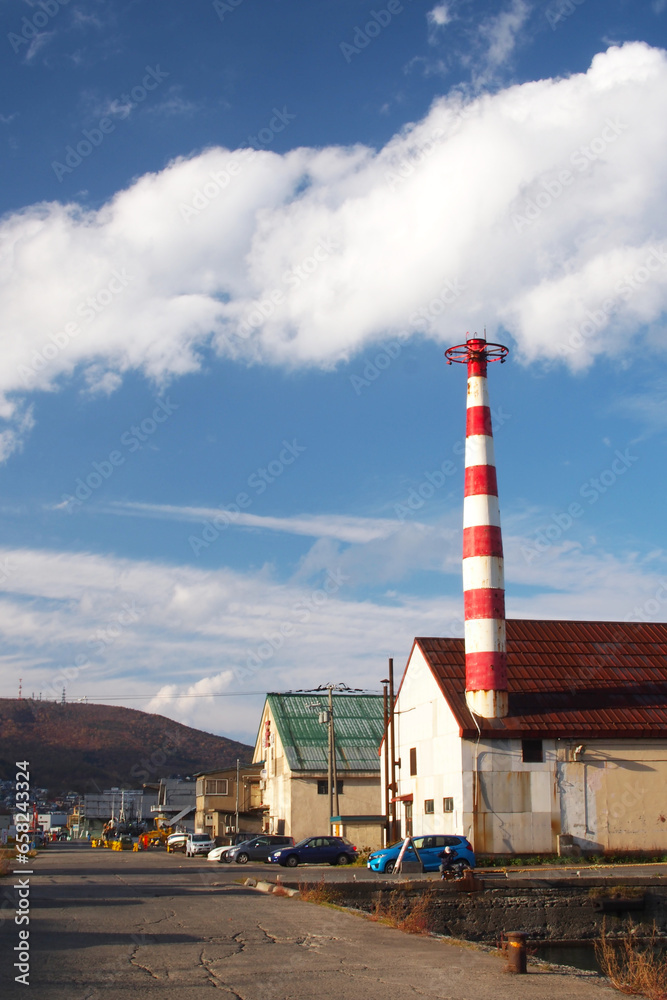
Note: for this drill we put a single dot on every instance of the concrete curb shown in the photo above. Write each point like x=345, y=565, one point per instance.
x=267, y=887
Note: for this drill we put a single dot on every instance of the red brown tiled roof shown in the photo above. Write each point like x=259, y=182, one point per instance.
x=568, y=680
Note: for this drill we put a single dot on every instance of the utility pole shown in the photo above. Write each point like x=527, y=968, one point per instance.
x=330, y=758
x=334, y=766
x=326, y=717
x=385, y=705
x=236, y=824
x=392, y=751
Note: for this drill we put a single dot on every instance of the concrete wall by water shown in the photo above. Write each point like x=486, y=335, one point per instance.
x=563, y=911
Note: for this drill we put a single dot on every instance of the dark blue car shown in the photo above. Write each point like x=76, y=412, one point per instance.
x=316, y=851
x=429, y=848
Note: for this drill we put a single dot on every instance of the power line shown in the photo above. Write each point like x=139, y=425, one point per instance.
x=90, y=699
x=220, y=694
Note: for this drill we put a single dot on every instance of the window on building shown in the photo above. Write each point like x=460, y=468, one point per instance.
x=413, y=761
x=323, y=787
x=532, y=752
x=217, y=786
x=448, y=805
x=429, y=806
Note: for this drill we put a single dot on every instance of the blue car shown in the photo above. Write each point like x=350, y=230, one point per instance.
x=429, y=848
x=316, y=851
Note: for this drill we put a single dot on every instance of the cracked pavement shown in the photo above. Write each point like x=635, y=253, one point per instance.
x=108, y=925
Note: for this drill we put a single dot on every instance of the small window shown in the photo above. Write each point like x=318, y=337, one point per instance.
x=323, y=787
x=217, y=786
x=413, y=761
x=428, y=806
x=532, y=752
x=448, y=805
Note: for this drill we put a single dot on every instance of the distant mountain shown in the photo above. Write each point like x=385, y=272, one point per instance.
x=85, y=748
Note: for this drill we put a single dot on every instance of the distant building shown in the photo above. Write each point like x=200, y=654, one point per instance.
x=578, y=763
x=217, y=802
x=93, y=811
x=292, y=744
x=176, y=804
x=51, y=820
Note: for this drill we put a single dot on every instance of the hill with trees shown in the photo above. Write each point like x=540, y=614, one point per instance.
x=85, y=747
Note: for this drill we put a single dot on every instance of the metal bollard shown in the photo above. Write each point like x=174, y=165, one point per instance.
x=516, y=951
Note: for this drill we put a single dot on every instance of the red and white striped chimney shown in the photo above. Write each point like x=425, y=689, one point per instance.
x=483, y=575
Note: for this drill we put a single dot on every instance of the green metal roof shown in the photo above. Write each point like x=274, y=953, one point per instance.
x=358, y=727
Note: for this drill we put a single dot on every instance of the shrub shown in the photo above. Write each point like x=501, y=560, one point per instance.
x=413, y=916
x=633, y=967
x=321, y=892
x=6, y=862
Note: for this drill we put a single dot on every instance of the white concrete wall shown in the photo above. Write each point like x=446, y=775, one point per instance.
x=614, y=797
x=510, y=807
x=425, y=721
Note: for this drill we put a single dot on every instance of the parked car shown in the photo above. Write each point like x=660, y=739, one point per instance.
x=198, y=843
x=218, y=853
x=257, y=849
x=176, y=841
x=429, y=848
x=316, y=851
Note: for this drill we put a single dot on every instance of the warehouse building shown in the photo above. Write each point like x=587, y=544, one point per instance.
x=578, y=762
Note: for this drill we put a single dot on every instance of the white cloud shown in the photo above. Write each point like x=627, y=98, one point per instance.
x=37, y=44
x=188, y=641
x=328, y=250
x=649, y=407
x=339, y=526
x=439, y=16
x=500, y=35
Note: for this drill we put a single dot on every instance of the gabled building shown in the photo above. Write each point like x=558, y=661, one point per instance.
x=579, y=760
x=292, y=744
x=224, y=807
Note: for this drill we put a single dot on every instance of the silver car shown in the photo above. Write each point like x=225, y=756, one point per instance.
x=198, y=843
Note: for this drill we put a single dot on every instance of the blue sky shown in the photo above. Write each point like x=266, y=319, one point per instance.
x=236, y=239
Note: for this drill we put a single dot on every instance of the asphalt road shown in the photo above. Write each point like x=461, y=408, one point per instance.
x=122, y=926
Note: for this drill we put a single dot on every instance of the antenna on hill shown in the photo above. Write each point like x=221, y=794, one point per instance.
x=20, y=683
x=63, y=698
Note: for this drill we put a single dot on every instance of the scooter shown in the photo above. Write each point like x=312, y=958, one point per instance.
x=452, y=867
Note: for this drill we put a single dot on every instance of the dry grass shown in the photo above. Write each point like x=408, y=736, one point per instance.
x=413, y=916
x=6, y=861
x=633, y=967
x=8, y=856
x=608, y=892
x=321, y=892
